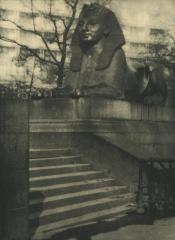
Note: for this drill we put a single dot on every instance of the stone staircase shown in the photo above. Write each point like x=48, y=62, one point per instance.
x=65, y=192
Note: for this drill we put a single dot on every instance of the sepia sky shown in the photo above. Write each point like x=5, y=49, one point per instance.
x=156, y=13
x=153, y=13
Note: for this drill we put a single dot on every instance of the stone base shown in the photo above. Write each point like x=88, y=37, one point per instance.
x=62, y=92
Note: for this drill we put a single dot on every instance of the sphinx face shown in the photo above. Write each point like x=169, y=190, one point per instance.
x=90, y=30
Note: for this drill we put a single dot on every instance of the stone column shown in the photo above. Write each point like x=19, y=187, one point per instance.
x=14, y=187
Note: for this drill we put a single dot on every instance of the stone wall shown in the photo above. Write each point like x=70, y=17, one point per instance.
x=14, y=170
x=98, y=108
x=109, y=134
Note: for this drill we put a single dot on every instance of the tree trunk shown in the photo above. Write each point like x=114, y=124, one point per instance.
x=60, y=79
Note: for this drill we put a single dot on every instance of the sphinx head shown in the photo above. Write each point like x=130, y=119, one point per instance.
x=91, y=24
x=96, y=22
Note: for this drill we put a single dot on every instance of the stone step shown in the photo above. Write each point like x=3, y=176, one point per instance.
x=71, y=198
x=53, y=161
x=52, y=170
x=49, y=230
x=75, y=210
x=64, y=178
x=64, y=188
x=56, y=152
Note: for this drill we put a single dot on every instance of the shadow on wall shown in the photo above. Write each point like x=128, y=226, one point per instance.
x=1, y=218
x=2, y=190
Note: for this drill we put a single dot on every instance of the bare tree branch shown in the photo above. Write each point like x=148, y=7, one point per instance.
x=57, y=35
x=32, y=51
x=67, y=29
x=33, y=16
x=17, y=25
x=40, y=34
x=60, y=38
x=32, y=77
x=70, y=3
x=72, y=17
x=172, y=38
x=64, y=22
x=33, y=32
x=55, y=27
x=49, y=50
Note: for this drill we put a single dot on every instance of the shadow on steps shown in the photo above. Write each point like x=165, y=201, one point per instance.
x=88, y=231
x=40, y=196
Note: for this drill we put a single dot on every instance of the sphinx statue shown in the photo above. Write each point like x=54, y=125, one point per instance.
x=98, y=64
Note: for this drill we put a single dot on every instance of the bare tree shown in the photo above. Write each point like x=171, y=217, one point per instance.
x=60, y=38
x=165, y=52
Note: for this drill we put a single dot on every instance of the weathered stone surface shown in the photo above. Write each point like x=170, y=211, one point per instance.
x=16, y=116
x=16, y=150
x=17, y=227
x=60, y=109
x=2, y=116
x=90, y=108
x=104, y=109
x=17, y=194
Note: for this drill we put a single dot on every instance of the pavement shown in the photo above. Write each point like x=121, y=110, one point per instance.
x=133, y=227
x=160, y=230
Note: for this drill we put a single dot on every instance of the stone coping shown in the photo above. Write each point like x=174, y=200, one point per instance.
x=99, y=125
x=99, y=108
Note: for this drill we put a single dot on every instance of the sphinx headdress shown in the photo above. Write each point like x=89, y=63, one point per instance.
x=113, y=36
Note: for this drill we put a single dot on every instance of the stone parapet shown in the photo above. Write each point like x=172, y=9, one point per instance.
x=99, y=108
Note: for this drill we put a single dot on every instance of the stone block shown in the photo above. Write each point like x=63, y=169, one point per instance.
x=136, y=110
x=145, y=112
x=82, y=108
x=17, y=189
x=68, y=109
x=2, y=116
x=52, y=109
x=1, y=148
x=110, y=109
x=17, y=225
x=16, y=149
x=153, y=113
x=16, y=116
